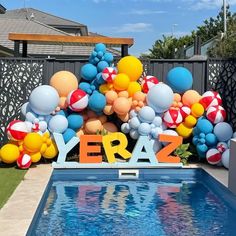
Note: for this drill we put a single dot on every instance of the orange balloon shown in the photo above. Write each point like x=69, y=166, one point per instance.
x=108, y=110
x=62, y=103
x=110, y=127
x=190, y=97
x=64, y=82
x=140, y=96
x=103, y=118
x=80, y=132
x=177, y=97
x=111, y=96
x=93, y=125
x=124, y=94
x=121, y=105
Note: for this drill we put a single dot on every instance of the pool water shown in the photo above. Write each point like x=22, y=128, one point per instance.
x=142, y=207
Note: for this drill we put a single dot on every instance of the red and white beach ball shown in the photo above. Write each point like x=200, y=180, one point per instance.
x=216, y=114
x=213, y=156
x=148, y=82
x=24, y=161
x=185, y=111
x=172, y=118
x=77, y=100
x=109, y=74
x=17, y=130
x=222, y=146
x=210, y=98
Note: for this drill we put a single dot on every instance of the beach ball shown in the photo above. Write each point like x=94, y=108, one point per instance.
x=190, y=97
x=121, y=106
x=197, y=110
x=24, y=161
x=146, y=114
x=210, y=98
x=172, y=118
x=44, y=99
x=148, y=82
x=144, y=129
x=109, y=74
x=75, y=121
x=130, y=66
x=33, y=142
x=216, y=114
x=9, y=153
x=223, y=131
x=77, y=100
x=213, y=156
x=222, y=146
x=68, y=135
x=133, y=88
x=185, y=111
x=17, y=130
x=88, y=72
x=64, y=82
x=97, y=101
x=121, y=82
x=225, y=158
x=204, y=126
x=180, y=79
x=58, y=124
x=160, y=97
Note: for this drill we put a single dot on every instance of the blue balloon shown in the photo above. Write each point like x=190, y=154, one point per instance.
x=204, y=126
x=97, y=102
x=84, y=86
x=108, y=57
x=88, y=72
x=43, y=100
x=180, y=79
x=75, y=121
x=144, y=129
x=100, y=47
x=202, y=150
x=63, y=113
x=58, y=124
x=211, y=140
x=68, y=135
x=99, y=78
x=195, y=140
x=94, y=54
x=223, y=131
x=100, y=54
x=134, y=123
x=146, y=114
x=102, y=65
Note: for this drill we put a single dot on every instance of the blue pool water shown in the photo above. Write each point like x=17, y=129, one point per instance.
x=162, y=206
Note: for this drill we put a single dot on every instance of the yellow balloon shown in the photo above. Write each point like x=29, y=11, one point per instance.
x=35, y=157
x=33, y=142
x=197, y=109
x=9, y=153
x=190, y=121
x=131, y=66
x=104, y=88
x=184, y=131
x=121, y=82
x=133, y=88
x=51, y=151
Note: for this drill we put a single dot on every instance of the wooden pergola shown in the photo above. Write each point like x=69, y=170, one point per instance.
x=26, y=39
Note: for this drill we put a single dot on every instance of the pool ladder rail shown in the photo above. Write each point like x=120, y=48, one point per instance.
x=128, y=174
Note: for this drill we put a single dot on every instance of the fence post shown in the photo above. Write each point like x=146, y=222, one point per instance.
x=197, y=45
x=232, y=167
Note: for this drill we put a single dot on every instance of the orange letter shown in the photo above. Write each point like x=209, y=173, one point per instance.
x=85, y=148
x=163, y=154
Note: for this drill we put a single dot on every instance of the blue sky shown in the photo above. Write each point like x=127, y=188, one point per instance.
x=144, y=20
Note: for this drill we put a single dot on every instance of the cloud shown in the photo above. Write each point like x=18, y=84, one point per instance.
x=145, y=12
x=133, y=28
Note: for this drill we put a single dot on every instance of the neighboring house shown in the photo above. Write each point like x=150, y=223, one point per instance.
x=29, y=20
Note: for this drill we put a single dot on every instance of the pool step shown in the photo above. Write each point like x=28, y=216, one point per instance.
x=128, y=174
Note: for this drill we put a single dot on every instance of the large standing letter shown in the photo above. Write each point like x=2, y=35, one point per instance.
x=110, y=150
x=85, y=149
x=163, y=154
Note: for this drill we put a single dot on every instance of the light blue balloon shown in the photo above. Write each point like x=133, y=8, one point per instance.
x=43, y=100
x=75, y=121
x=25, y=108
x=58, y=124
x=43, y=126
x=100, y=47
x=134, y=123
x=134, y=134
x=102, y=65
x=68, y=135
x=125, y=128
x=30, y=116
x=225, y=158
x=180, y=79
x=160, y=97
x=146, y=114
x=108, y=57
x=157, y=121
x=156, y=132
x=132, y=113
x=97, y=102
x=223, y=131
x=88, y=72
x=144, y=129
x=157, y=146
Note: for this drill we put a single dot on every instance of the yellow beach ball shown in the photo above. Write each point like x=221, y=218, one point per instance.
x=9, y=153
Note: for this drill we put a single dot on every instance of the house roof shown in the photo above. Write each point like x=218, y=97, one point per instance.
x=2, y=9
x=32, y=26
x=46, y=18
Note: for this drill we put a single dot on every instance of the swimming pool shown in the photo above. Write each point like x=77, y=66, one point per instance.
x=158, y=202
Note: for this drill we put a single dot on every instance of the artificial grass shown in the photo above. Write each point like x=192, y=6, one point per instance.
x=10, y=177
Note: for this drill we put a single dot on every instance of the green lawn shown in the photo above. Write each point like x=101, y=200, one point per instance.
x=10, y=177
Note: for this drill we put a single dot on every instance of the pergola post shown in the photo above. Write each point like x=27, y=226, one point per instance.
x=24, y=49
x=124, y=50
x=16, y=48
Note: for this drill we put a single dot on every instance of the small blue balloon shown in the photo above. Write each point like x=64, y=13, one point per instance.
x=30, y=116
x=63, y=113
x=156, y=146
x=180, y=79
x=202, y=135
x=88, y=72
x=202, y=150
x=100, y=54
x=133, y=113
x=125, y=128
x=223, y=131
x=202, y=140
x=211, y=140
x=68, y=135
x=100, y=47
x=75, y=121
x=195, y=140
x=157, y=121
x=146, y=114
x=134, y=123
x=99, y=78
x=97, y=102
x=108, y=57
x=144, y=129
x=134, y=134
x=94, y=54
x=204, y=126
x=84, y=86
x=102, y=65
x=58, y=124
x=156, y=132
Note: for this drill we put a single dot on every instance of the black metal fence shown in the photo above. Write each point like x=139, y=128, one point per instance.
x=18, y=77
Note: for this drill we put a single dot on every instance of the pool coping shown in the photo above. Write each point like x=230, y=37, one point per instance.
x=23, y=204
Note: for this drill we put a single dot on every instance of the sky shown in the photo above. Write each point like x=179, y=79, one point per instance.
x=144, y=20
